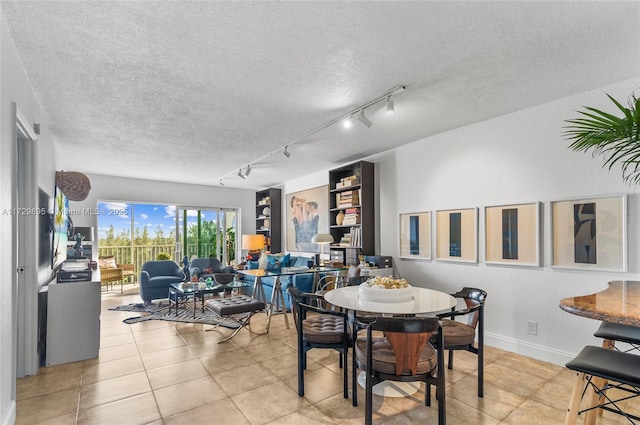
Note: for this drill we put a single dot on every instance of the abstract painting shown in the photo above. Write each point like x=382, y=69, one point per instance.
x=512, y=234
x=457, y=235
x=589, y=233
x=415, y=235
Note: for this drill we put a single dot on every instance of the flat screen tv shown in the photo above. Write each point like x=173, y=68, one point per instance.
x=62, y=227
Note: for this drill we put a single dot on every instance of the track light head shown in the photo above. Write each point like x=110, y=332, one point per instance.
x=246, y=173
x=348, y=123
x=390, y=106
x=242, y=176
x=364, y=120
x=286, y=152
x=221, y=184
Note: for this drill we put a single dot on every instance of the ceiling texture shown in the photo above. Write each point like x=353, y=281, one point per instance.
x=192, y=91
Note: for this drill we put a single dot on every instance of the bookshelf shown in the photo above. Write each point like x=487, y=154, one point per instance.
x=269, y=218
x=351, y=216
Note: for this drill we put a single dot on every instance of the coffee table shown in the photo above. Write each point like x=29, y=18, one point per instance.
x=184, y=290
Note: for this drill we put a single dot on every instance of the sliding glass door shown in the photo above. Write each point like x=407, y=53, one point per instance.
x=206, y=233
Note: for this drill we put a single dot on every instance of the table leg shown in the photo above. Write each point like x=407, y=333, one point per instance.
x=280, y=297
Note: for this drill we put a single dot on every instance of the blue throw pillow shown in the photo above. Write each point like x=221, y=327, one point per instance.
x=286, y=260
x=302, y=262
x=274, y=263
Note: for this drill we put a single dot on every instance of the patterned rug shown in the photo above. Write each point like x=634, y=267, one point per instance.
x=160, y=311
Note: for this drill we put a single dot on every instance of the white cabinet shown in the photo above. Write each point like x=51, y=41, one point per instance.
x=73, y=322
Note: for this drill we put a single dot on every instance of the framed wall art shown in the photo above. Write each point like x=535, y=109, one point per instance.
x=457, y=235
x=512, y=234
x=589, y=233
x=415, y=235
x=307, y=215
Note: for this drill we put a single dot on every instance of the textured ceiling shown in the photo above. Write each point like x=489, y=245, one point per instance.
x=192, y=91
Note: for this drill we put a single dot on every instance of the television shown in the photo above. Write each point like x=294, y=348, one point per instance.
x=62, y=228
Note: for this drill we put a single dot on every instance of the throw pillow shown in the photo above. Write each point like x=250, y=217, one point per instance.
x=107, y=262
x=274, y=263
x=262, y=262
x=286, y=260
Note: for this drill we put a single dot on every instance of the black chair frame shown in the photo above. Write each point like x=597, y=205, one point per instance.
x=478, y=296
x=301, y=304
x=404, y=325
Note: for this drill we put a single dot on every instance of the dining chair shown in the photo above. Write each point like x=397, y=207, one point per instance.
x=325, y=328
x=459, y=335
x=403, y=354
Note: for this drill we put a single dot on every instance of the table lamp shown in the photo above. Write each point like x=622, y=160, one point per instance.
x=322, y=239
x=253, y=244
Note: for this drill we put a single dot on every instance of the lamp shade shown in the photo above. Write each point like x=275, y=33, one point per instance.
x=322, y=238
x=252, y=242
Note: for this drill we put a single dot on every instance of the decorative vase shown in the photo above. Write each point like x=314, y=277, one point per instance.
x=340, y=218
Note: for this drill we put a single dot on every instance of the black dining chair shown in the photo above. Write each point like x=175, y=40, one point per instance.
x=324, y=328
x=403, y=354
x=459, y=335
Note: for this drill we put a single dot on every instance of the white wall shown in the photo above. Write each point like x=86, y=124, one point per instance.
x=520, y=157
x=14, y=88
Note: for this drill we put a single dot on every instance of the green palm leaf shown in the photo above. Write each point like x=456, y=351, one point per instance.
x=617, y=139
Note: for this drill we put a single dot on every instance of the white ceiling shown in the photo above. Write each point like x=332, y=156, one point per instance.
x=192, y=91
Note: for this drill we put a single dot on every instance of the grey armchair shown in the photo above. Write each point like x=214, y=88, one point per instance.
x=155, y=278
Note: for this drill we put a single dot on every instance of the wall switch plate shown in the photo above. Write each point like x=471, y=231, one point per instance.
x=532, y=327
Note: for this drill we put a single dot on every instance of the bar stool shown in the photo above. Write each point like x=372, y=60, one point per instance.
x=612, y=332
x=599, y=369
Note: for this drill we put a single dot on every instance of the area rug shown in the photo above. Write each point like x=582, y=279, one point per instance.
x=161, y=312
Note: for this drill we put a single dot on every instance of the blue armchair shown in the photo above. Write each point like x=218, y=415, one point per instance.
x=155, y=278
x=206, y=267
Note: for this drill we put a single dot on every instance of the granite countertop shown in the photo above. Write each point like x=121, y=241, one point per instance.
x=619, y=303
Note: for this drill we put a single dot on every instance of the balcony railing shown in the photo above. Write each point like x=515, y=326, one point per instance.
x=139, y=254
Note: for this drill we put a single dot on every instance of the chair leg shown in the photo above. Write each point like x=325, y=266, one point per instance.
x=427, y=395
x=345, y=373
x=301, y=367
x=368, y=404
x=481, y=370
x=354, y=378
x=450, y=366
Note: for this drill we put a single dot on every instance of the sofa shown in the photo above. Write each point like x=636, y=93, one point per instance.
x=206, y=267
x=155, y=278
x=302, y=281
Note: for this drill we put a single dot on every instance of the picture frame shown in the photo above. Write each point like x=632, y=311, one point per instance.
x=512, y=234
x=457, y=235
x=589, y=233
x=309, y=216
x=415, y=235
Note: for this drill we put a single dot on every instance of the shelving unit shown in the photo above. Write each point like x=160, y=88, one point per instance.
x=269, y=222
x=351, y=195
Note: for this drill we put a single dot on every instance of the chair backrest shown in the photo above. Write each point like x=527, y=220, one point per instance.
x=472, y=297
x=407, y=337
x=161, y=268
x=224, y=278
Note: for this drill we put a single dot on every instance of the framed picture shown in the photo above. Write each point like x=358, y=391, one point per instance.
x=415, y=235
x=589, y=233
x=512, y=234
x=307, y=214
x=457, y=235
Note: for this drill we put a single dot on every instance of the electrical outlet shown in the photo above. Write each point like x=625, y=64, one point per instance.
x=532, y=327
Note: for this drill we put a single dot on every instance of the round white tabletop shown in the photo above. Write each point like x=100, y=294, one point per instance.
x=421, y=301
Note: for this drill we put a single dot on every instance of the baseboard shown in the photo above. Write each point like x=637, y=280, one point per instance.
x=10, y=416
x=528, y=349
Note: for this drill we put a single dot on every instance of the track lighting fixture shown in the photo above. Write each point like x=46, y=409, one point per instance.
x=364, y=120
x=346, y=119
x=348, y=123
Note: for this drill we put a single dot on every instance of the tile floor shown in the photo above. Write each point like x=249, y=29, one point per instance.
x=168, y=373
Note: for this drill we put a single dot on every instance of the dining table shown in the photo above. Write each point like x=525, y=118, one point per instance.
x=422, y=301
x=619, y=303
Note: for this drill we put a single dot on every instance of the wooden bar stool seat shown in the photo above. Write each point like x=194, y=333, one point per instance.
x=600, y=369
